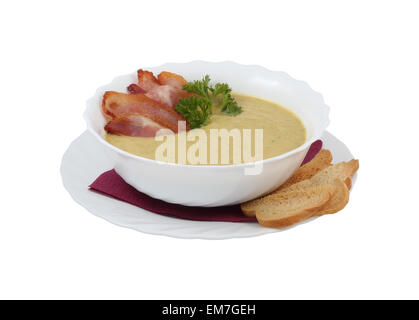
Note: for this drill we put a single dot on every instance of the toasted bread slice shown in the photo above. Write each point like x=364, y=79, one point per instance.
x=327, y=177
x=288, y=208
x=337, y=201
x=339, y=176
x=322, y=160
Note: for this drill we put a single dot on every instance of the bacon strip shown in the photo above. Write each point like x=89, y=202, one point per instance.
x=166, y=90
x=164, y=94
x=119, y=105
x=147, y=80
x=134, y=126
x=171, y=79
x=135, y=88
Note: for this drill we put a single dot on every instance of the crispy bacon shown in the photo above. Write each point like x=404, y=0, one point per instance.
x=164, y=94
x=135, y=88
x=148, y=108
x=171, y=79
x=116, y=105
x=147, y=80
x=166, y=90
x=134, y=126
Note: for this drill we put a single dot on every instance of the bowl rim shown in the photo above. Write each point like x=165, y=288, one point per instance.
x=305, y=145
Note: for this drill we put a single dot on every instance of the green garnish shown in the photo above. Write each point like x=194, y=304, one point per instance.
x=197, y=110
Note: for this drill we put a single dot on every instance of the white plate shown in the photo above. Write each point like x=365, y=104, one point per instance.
x=84, y=161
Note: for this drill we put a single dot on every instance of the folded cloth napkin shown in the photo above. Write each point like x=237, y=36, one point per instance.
x=111, y=184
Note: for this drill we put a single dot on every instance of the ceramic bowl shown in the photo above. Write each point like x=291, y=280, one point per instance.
x=207, y=185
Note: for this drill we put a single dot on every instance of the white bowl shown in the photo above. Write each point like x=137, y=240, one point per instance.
x=216, y=185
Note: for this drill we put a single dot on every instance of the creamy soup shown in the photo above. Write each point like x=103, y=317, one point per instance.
x=282, y=131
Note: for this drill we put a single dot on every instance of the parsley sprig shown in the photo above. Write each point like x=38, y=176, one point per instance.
x=197, y=109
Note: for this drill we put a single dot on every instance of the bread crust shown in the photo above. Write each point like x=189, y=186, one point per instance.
x=303, y=205
x=337, y=201
x=334, y=178
x=322, y=160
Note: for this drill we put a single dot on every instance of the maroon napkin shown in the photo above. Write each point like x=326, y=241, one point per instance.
x=111, y=184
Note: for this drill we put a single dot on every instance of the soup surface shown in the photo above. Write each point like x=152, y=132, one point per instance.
x=283, y=131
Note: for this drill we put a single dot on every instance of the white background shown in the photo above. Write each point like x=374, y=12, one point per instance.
x=361, y=55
